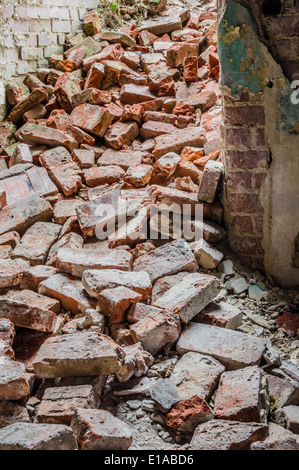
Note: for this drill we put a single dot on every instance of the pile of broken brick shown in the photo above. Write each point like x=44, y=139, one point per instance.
x=132, y=115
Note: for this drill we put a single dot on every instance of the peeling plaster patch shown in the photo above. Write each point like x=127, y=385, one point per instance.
x=243, y=64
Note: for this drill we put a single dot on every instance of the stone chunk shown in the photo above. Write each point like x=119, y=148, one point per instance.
x=11, y=413
x=242, y=395
x=135, y=231
x=76, y=261
x=78, y=355
x=58, y=404
x=186, y=415
x=11, y=272
x=92, y=118
x=156, y=330
x=133, y=94
x=34, y=275
x=33, y=134
x=95, y=281
x=100, y=430
x=115, y=302
x=69, y=240
x=290, y=414
x=207, y=256
x=233, y=349
x=7, y=335
x=165, y=394
x=227, y=435
x=196, y=374
x=35, y=300
x=121, y=133
x=162, y=24
x=123, y=158
x=136, y=363
x=36, y=242
x=22, y=214
x=176, y=141
x=282, y=391
x=167, y=259
x=210, y=181
x=103, y=175
x=189, y=296
x=95, y=219
x=36, y=97
x=69, y=291
x=66, y=86
x=29, y=436
x=27, y=316
x=220, y=314
x=13, y=380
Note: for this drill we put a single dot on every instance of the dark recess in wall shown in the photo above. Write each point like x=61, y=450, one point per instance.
x=271, y=7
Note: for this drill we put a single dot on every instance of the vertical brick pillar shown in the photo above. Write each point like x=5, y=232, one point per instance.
x=246, y=159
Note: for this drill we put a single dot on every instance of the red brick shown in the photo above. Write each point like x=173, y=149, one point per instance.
x=247, y=115
x=242, y=224
x=248, y=203
x=236, y=182
x=239, y=137
x=258, y=180
x=246, y=245
x=249, y=159
x=260, y=137
x=258, y=221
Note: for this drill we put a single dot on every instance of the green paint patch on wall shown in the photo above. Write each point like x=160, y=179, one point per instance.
x=243, y=64
x=240, y=52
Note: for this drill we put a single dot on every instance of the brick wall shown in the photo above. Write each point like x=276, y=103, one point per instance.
x=246, y=159
x=260, y=133
x=281, y=31
x=32, y=30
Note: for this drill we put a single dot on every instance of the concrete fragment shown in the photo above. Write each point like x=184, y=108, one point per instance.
x=165, y=394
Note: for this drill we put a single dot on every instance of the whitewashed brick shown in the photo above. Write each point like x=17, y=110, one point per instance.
x=59, y=26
